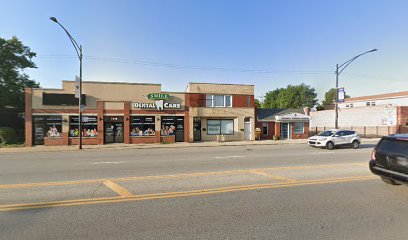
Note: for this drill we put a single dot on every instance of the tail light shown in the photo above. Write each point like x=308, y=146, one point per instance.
x=373, y=154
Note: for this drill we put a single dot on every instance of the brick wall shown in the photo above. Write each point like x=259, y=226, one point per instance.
x=56, y=141
x=271, y=129
x=305, y=131
x=28, y=118
x=101, y=134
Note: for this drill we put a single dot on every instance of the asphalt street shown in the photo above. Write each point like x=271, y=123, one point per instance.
x=242, y=192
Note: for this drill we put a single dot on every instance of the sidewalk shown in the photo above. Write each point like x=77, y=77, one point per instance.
x=120, y=146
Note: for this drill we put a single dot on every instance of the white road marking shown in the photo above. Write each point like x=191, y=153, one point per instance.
x=95, y=163
x=231, y=157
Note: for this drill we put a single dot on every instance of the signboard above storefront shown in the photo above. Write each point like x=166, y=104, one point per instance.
x=159, y=104
x=293, y=117
x=158, y=96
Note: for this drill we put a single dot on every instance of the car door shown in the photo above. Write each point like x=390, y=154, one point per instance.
x=392, y=153
x=338, y=138
x=348, y=136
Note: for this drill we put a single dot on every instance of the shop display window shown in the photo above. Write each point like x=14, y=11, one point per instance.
x=299, y=128
x=142, y=126
x=89, y=126
x=222, y=126
x=46, y=126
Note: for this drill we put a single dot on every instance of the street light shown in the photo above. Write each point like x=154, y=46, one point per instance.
x=340, y=69
x=78, y=49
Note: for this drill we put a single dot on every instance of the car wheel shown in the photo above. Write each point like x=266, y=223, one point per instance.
x=389, y=181
x=355, y=144
x=330, y=145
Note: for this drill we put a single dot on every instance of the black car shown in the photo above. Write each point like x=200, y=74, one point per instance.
x=389, y=159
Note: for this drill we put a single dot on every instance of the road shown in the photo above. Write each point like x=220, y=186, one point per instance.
x=246, y=192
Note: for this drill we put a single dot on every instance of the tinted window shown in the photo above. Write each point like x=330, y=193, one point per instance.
x=325, y=133
x=62, y=99
x=346, y=133
x=399, y=147
x=341, y=133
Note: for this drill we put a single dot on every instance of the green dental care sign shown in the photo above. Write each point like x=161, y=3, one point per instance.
x=158, y=96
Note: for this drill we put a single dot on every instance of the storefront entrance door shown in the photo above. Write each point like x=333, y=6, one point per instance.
x=285, y=130
x=197, y=130
x=113, y=129
x=247, y=129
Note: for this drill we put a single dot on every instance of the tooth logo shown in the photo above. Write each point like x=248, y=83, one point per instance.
x=159, y=105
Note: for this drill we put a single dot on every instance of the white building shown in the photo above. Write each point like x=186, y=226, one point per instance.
x=390, y=99
x=374, y=115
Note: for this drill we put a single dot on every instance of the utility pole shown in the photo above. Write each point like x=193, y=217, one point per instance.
x=339, y=70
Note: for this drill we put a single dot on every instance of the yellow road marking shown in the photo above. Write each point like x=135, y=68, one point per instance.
x=42, y=184
x=117, y=189
x=153, y=196
x=262, y=173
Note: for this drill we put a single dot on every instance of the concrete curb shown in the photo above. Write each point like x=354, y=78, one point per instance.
x=157, y=146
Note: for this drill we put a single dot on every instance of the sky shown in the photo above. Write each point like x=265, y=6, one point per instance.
x=270, y=44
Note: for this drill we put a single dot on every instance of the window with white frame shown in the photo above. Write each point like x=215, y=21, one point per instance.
x=299, y=127
x=220, y=126
x=265, y=129
x=212, y=100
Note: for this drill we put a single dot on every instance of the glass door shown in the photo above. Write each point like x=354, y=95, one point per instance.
x=109, y=132
x=284, y=130
x=197, y=129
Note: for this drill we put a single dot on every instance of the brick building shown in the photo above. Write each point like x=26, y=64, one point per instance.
x=283, y=123
x=134, y=113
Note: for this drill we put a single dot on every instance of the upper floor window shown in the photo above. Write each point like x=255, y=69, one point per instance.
x=212, y=100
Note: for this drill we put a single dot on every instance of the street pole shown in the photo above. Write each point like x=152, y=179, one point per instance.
x=336, y=117
x=340, y=69
x=78, y=49
x=80, y=98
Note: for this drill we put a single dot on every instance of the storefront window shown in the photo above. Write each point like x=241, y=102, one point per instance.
x=168, y=126
x=46, y=126
x=224, y=126
x=89, y=126
x=142, y=126
x=299, y=128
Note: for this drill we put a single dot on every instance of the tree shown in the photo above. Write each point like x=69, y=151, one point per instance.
x=271, y=98
x=330, y=97
x=258, y=103
x=14, y=58
x=293, y=96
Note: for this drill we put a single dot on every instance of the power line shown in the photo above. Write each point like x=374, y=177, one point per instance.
x=387, y=78
x=194, y=67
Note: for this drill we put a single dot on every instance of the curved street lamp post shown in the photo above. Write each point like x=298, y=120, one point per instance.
x=78, y=49
x=339, y=70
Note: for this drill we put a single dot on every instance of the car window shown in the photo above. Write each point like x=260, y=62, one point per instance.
x=398, y=147
x=347, y=133
x=325, y=133
x=340, y=133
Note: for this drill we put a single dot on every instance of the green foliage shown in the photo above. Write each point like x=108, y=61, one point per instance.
x=329, y=98
x=7, y=135
x=258, y=104
x=14, y=59
x=293, y=96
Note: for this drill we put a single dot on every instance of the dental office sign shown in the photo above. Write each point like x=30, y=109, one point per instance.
x=160, y=102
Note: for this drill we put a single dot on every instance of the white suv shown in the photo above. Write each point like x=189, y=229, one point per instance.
x=331, y=138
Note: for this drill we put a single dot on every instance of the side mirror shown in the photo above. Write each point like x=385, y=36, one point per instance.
x=335, y=135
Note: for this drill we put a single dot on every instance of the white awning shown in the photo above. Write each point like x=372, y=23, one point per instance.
x=293, y=117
